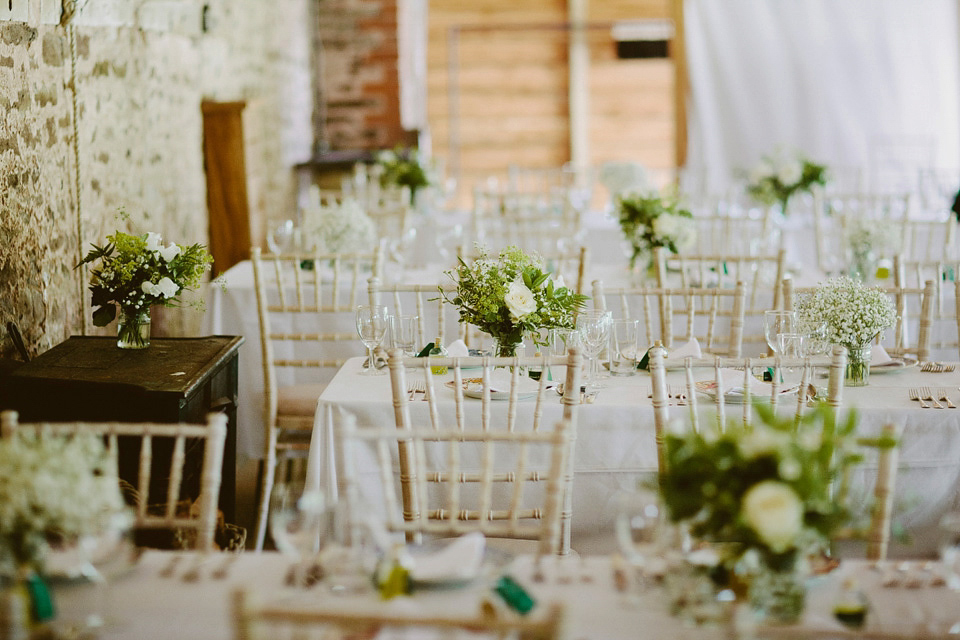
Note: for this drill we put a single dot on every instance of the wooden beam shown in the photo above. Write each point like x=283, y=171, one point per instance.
x=681, y=83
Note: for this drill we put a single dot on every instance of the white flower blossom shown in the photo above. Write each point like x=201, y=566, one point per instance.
x=149, y=288
x=855, y=314
x=790, y=173
x=167, y=287
x=153, y=241
x=774, y=511
x=170, y=252
x=342, y=228
x=519, y=300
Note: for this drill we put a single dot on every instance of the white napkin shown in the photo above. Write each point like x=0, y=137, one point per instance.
x=879, y=356
x=733, y=383
x=691, y=348
x=459, y=560
x=500, y=380
x=457, y=349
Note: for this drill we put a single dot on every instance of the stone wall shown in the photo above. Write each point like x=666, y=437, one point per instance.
x=133, y=139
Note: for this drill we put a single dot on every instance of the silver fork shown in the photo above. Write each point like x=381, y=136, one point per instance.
x=915, y=395
x=943, y=396
x=928, y=395
x=415, y=387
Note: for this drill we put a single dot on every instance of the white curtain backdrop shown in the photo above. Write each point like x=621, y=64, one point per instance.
x=826, y=78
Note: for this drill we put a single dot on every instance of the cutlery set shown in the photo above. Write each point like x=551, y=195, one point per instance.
x=194, y=573
x=929, y=399
x=937, y=367
x=416, y=387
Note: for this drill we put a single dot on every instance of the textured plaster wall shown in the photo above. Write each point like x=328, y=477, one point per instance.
x=141, y=71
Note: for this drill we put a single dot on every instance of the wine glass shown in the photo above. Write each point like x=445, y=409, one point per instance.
x=775, y=323
x=638, y=525
x=299, y=523
x=280, y=236
x=372, y=322
x=594, y=327
x=403, y=329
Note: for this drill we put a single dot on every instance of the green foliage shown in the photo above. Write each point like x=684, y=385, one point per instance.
x=402, y=167
x=649, y=221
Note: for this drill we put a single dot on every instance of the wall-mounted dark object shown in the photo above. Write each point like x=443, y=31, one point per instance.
x=637, y=39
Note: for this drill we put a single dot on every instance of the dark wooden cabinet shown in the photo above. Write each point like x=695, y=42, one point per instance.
x=174, y=380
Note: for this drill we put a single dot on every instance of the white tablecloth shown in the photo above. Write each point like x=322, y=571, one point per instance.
x=147, y=606
x=615, y=444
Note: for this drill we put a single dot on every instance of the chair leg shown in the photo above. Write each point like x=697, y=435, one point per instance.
x=266, y=488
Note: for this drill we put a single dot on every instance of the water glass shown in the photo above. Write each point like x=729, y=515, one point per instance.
x=404, y=330
x=791, y=345
x=372, y=323
x=623, y=354
x=594, y=327
x=299, y=523
x=775, y=323
x=280, y=237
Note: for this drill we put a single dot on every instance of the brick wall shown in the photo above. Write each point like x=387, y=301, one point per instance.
x=141, y=73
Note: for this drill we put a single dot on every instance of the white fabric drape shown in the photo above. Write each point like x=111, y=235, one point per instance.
x=412, y=62
x=826, y=78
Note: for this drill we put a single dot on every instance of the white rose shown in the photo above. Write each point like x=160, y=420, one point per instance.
x=789, y=173
x=558, y=283
x=519, y=300
x=774, y=511
x=170, y=252
x=153, y=241
x=149, y=288
x=167, y=287
x=666, y=226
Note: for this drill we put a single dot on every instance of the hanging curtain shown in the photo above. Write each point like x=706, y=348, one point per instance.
x=826, y=78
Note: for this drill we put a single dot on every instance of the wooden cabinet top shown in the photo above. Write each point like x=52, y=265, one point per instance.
x=169, y=365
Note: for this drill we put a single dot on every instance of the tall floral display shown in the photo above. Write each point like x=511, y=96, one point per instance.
x=510, y=296
x=404, y=168
x=776, y=178
x=855, y=314
x=136, y=272
x=649, y=221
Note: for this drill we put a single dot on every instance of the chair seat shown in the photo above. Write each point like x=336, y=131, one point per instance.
x=299, y=399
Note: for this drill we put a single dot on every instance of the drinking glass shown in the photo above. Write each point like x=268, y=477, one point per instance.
x=623, y=354
x=280, y=236
x=372, y=322
x=638, y=525
x=299, y=523
x=949, y=547
x=594, y=327
x=775, y=323
x=560, y=341
x=791, y=345
x=403, y=328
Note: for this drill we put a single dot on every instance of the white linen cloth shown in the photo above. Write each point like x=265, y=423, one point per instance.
x=615, y=443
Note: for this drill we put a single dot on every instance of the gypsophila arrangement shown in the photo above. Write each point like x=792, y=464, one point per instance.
x=855, y=314
x=868, y=241
x=402, y=167
x=51, y=488
x=338, y=228
x=649, y=221
x=776, y=178
x=136, y=272
x=511, y=295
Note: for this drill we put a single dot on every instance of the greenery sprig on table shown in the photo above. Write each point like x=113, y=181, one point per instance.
x=403, y=167
x=136, y=272
x=650, y=220
x=776, y=178
x=511, y=295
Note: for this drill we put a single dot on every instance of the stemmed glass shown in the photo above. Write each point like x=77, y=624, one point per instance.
x=594, y=328
x=775, y=323
x=280, y=236
x=299, y=523
x=372, y=322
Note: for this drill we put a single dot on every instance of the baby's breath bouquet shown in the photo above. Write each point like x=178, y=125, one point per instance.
x=855, y=315
x=776, y=178
x=768, y=496
x=402, y=167
x=51, y=489
x=136, y=272
x=339, y=228
x=650, y=220
x=867, y=242
x=511, y=295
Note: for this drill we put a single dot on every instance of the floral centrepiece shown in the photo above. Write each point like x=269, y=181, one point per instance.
x=511, y=295
x=776, y=178
x=51, y=488
x=136, y=272
x=868, y=241
x=402, y=167
x=770, y=496
x=855, y=314
x=338, y=228
x=649, y=221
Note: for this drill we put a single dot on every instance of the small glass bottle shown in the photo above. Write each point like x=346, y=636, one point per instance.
x=439, y=351
x=851, y=605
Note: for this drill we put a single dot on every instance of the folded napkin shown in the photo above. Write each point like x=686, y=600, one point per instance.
x=733, y=383
x=459, y=560
x=691, y=348
x=457, y=349
x=879, y=356
x=500, y=380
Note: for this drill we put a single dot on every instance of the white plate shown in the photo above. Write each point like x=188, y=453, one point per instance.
x=734, y=397
x=897, y=364
x=497, y=395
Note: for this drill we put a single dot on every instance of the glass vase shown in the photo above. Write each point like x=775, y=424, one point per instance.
x=858, y=366
x=506, y=347
x=777, y=596
x=133, y=329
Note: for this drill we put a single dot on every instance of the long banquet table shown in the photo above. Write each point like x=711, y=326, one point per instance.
x=615, y=444
x=144, y=603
